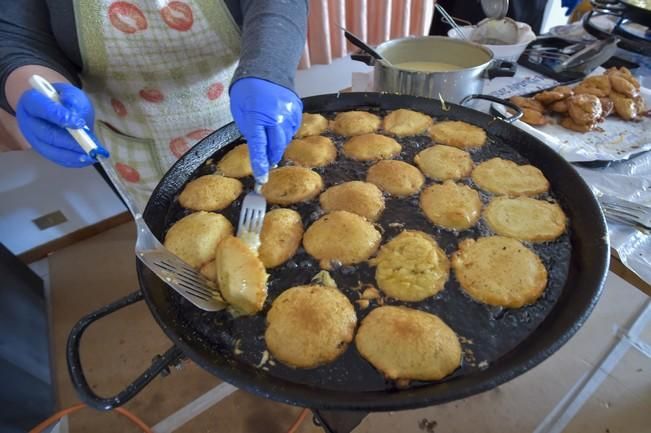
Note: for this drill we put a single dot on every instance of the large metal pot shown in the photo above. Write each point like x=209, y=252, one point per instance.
x=477, y=65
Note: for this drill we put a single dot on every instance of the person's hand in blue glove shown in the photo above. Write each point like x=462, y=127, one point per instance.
x=268, y=116
x=43, y=122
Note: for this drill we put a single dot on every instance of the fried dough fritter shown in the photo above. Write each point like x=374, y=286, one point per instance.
x=341, y=236
x=451, y=205
x=607, y=107
x=351, y=123
x=525, y=218
x=621, y=84
x=499, y=271
x=209, y=270
x=444, y=162
x=194, y=238
x=504, y=177
x=625, y=73
x=241, y=276
x=210, y=192
x=556, y=94
x=527, y=103
x=396, y=177
x=313, y=151
x=533, y=117
x=584, y=109
x=371, y=147
x=308, y=326
x=236, y=163
x=597, y=85
x=361, y=198
x=559, y=106
x=282, y=231
x=289, y=185
x=568, y=123
x=312, y=124
x=411, y=267
x=408, y=344
x=625, y=107
x=404, y=122
x=640, y=105
x=458, y=134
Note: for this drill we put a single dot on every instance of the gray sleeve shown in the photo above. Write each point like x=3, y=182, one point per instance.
x=273, y=38
x=26, y=39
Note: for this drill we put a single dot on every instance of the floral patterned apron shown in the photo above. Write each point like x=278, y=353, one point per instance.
x=157, y=72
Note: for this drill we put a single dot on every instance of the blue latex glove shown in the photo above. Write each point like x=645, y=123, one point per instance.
x=43, y=124
x=268, y=116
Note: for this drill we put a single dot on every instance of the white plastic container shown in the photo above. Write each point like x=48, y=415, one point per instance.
x=504, y=52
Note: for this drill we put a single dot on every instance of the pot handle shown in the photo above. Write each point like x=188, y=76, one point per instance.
x=364, y=58
x=501, y=68
x=86, y=394
x=509, y=104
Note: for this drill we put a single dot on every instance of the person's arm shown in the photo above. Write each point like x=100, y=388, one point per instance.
x=263, y=102
x=28, y=46
x=273, y=39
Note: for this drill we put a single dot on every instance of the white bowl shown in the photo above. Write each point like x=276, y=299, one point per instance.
x=505, y=52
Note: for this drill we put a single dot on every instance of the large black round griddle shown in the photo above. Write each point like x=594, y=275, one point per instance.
x=498, y=344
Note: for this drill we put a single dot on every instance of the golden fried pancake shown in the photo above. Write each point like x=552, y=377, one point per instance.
x=315, y=151
x=355, y=123
x=289, y=185
x=281, y=236
x=444, y=162
x=236, y=163
x=241, y=276
x=451, y=205
x=210, y=192
x=342, y=237
x=406, y=122
x=411, y=267
x=194, y=238
x=525, y=218
x=361, y=198
x=309, y=325
x=396, y=177
x=209, y=270
x=569, y=123
x=458, y=134
x=501, y=176
x=408, y=344
x=500, y=271
x=312, y=124
x=371, y=147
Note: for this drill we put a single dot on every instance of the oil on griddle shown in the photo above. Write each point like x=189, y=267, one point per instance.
x=486, y=332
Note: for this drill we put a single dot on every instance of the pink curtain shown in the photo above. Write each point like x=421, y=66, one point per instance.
x=374, y=21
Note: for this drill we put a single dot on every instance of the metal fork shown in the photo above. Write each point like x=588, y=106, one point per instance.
x=626, y=212
x=252, y=215
x=180, y=276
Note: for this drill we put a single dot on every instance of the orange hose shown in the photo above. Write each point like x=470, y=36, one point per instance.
x=298, y=422
x=134, y=419
x=72, y=409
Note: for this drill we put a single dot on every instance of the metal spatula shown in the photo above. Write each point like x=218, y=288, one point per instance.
x=175, y=272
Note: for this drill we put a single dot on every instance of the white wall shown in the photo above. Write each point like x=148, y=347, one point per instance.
x=554, y=16
x=31, y=186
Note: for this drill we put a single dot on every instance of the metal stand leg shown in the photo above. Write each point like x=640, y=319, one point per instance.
x=337, y=421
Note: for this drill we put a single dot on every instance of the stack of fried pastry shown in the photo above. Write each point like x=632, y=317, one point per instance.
x=587, y=104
